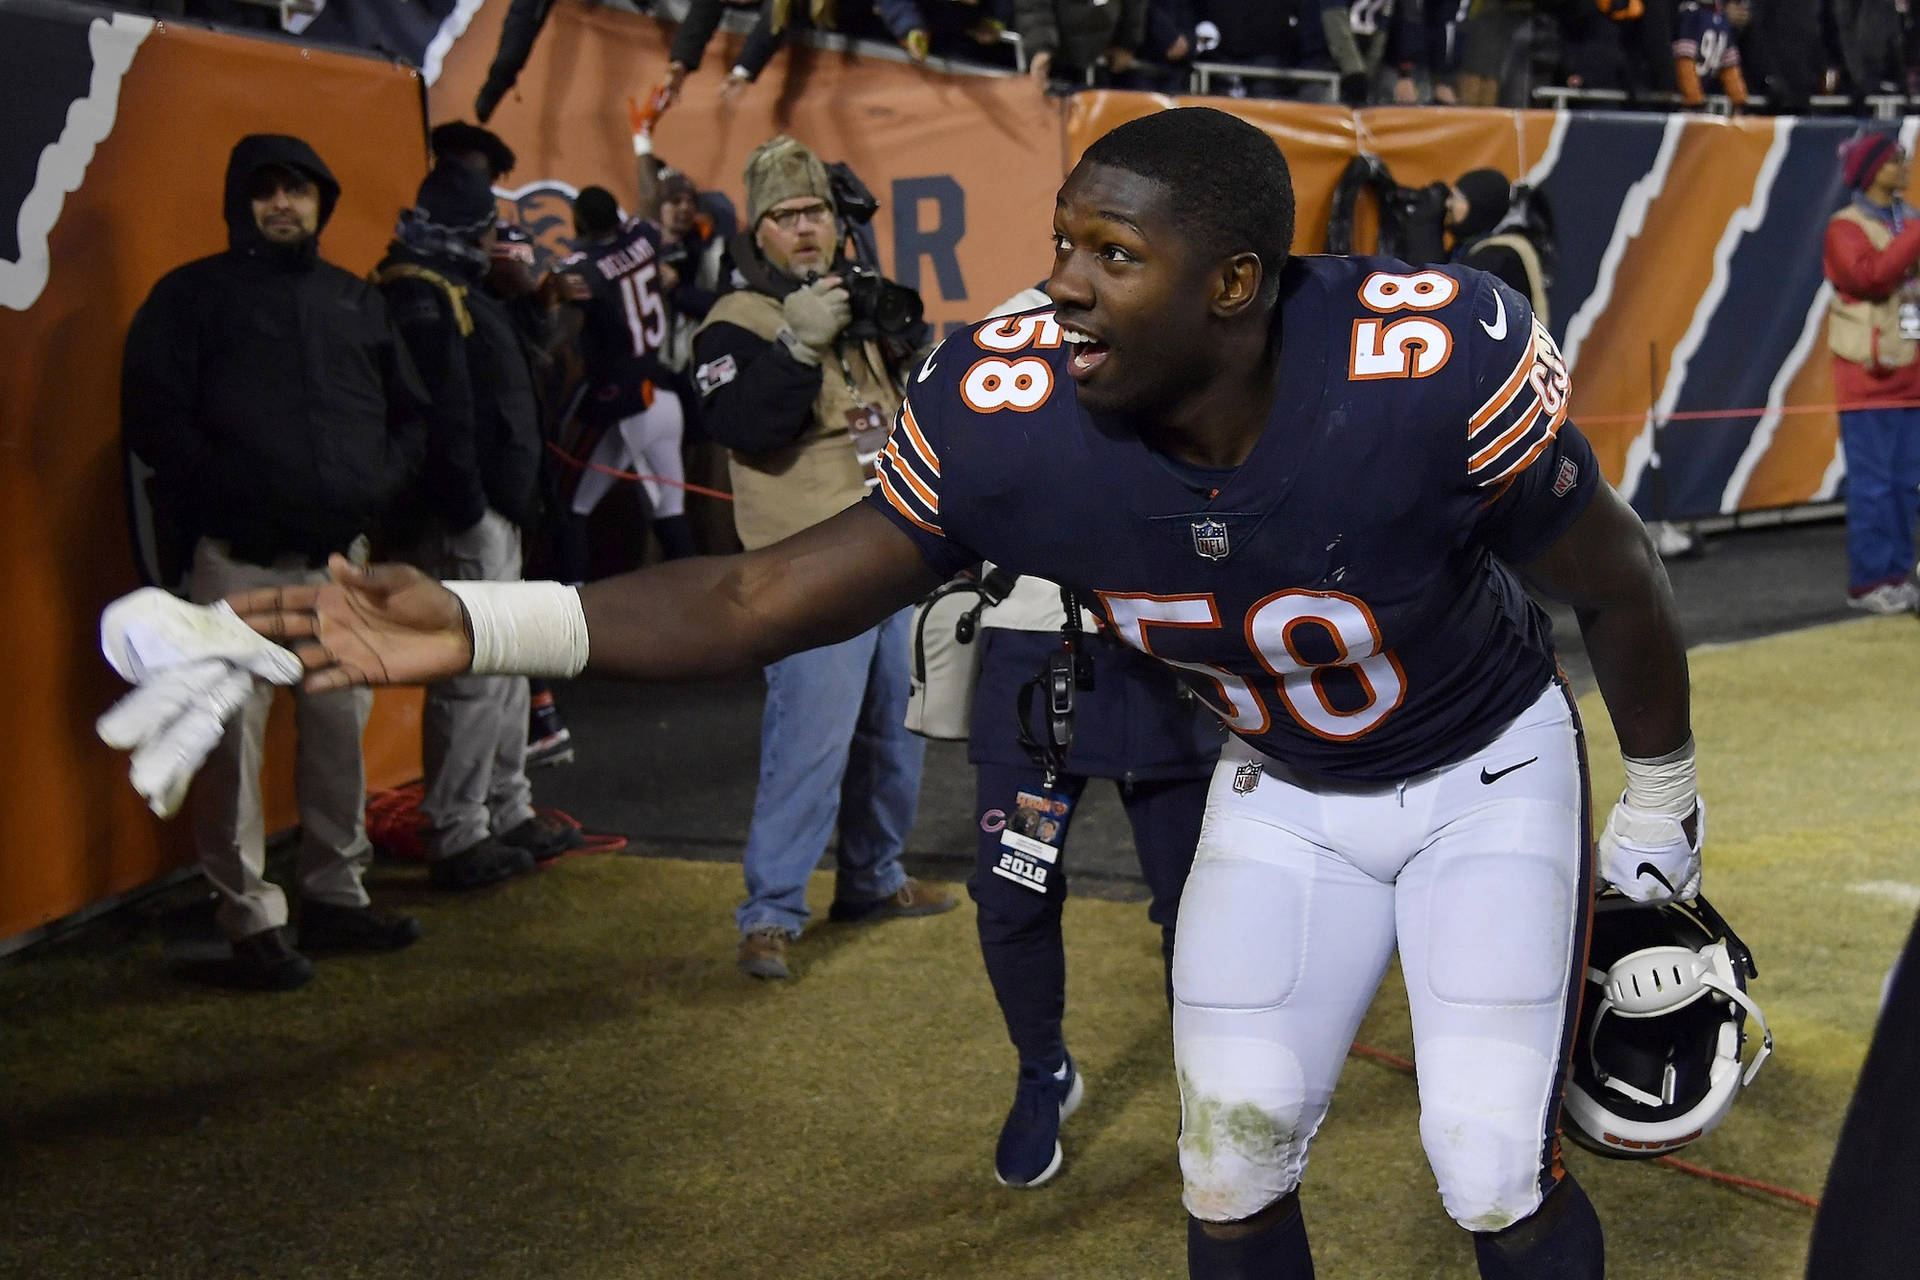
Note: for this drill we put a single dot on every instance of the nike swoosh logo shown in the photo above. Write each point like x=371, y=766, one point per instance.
x=1498, y=329
x=1501, y=773
x=925, y=369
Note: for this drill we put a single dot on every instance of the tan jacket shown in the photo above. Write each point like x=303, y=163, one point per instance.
x=1863, y=331
x=821, y=474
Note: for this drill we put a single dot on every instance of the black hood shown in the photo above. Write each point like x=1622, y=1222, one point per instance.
x=258, y=151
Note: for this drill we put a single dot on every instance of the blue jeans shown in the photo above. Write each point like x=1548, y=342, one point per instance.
x=833, y=749
x=1883, y=494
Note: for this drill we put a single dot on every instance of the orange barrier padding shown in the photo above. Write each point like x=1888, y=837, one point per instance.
x=72, y=831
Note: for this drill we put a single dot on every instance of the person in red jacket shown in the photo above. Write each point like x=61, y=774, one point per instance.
x=1873, y=330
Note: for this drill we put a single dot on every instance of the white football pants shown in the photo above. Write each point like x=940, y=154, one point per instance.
x=648, y=442
x=1300, y=892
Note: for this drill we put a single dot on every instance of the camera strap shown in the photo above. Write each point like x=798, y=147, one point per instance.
x=1069, y=669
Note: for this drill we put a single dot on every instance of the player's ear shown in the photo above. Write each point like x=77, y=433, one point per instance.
x=1237, y=284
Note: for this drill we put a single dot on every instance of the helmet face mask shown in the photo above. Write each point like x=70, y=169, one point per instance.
x=1657, y=1060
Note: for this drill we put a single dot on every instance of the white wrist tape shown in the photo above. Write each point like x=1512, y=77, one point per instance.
x=1667, y=785
x=524, y=628
x=643, y=144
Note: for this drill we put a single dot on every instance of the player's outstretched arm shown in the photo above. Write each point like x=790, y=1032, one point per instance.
x=702, y=616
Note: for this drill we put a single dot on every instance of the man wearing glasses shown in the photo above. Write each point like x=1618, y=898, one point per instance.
x=805, y=411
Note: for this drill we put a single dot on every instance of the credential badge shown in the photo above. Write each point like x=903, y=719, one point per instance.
x=1210, y=539
x=1246, y=777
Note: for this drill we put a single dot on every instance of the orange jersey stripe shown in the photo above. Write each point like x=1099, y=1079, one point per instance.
x=918, y=441
x=913, y=482
x=1509, y=389
x=886, y=490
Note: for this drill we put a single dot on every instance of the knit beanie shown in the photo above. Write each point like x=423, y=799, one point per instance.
x=455, y=197
x=1862, y=157
x=781, y=169
x=1488, y=194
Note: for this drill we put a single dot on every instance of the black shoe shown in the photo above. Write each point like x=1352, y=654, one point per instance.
x=544, y=838
x=266, y=961
x=488, y=862
x=327, y=926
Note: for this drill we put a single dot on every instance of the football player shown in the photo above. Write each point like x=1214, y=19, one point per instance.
x=1313, y=486
x=623, y=289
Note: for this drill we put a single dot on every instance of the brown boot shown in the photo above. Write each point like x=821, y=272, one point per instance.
x=911, y=899
x=763, y=952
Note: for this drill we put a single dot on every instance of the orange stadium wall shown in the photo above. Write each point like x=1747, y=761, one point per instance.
x=132, y=150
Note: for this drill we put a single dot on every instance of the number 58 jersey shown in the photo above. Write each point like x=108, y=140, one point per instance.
x=1342, y=599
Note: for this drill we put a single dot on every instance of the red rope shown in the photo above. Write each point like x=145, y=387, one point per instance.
x=578, y=465
x=1690, y=415
x=1405, y=1065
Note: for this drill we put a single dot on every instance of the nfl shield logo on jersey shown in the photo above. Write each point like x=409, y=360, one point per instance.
x=1210, y=539
x=1246, y=777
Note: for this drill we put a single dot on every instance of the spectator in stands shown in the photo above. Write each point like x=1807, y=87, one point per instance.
x=922, y=27
x=479, y=490
x=1705, y=54
x=1783, y=55
x=1496, y=32
x=1072, y=36
x=1873, y=331
x=1438, y=26
x=274, y=399
x=1876, y=44
x=1253, y=33
x=806, y=411
x=532, y=304
x=1360, y=34
x=696, y=32
x=1593, y=45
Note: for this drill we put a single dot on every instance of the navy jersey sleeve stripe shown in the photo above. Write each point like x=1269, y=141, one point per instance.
x=1514, y=425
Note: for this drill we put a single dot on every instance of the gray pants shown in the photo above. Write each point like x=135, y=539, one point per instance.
x=474, y=728
x=229, y=825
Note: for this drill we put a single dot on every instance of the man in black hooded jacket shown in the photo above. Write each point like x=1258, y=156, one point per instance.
x=270, y=393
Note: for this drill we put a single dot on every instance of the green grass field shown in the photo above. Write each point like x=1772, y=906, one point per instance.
x=567, y=1078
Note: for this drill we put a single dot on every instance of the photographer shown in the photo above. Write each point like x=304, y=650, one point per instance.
x=795, y=379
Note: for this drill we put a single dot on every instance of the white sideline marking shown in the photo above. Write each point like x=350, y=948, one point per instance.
x=1907, y=895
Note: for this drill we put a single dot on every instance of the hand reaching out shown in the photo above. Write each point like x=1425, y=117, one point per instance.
x=382, y=624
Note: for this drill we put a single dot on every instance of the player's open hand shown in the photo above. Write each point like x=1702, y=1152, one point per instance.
x=382, y=624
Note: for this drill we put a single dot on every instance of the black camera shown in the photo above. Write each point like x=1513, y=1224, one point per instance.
x=882, y=309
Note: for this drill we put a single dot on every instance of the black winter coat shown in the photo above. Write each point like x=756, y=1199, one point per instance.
x=483, y=441
x=268, y=389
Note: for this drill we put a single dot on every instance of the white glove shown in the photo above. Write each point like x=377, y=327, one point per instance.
x=1634, y=840
x=193, y=666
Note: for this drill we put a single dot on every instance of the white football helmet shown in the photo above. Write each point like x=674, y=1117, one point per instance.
x=1657, y=1053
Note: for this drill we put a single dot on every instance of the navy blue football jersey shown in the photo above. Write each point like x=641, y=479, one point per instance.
x=1701, y=32
x=1339, y=598
x=625, y=320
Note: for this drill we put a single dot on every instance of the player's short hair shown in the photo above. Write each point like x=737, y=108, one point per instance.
x=1229, y=181
x=595, y=212
x=457, y=137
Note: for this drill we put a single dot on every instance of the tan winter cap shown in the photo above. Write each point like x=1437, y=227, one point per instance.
x=780, y=169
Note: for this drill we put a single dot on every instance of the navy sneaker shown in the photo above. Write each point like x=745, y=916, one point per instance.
x=1029, y=1150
